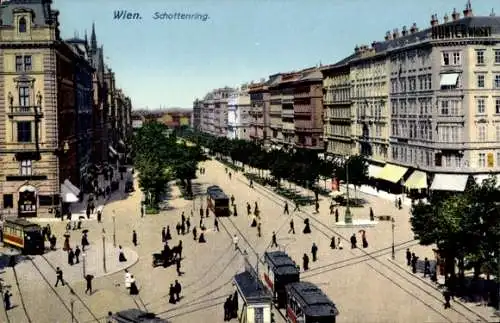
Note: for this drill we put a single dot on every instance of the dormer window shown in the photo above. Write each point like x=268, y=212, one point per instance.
x=22, y=25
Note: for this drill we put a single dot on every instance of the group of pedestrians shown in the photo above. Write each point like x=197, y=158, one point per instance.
x=130, y=283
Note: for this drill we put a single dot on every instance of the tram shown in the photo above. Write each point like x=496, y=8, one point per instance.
x=25, y=235
x=217, y=201
x=306, y=303
x=280, y=271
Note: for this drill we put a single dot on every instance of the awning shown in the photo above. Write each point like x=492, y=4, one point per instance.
x=481, y=177
x=67, y=195
x=392, y=173
x=417, y=180
x=112, y=150
x=374, y=170
x=449, y=182
x=75, y=190
x=449, y=79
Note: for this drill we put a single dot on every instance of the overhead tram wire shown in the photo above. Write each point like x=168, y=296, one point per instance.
x=280, y=199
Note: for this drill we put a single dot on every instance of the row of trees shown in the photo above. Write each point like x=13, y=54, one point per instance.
x=465, y=227
x=160, y=157
x=300, y=166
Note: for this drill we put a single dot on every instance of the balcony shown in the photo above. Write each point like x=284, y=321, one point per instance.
x=308, y=129
x=287, y=113
x=24, y=111
x=288, y=127
x=303, y=110
x=287, y=99
x=302, y=94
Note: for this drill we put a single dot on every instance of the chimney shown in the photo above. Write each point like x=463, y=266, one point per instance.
x=434, y=20
x=492, y=13
x=395, y=33
x=404, y=32
x=374, y=44
x=357, y=49
x=388, y=35
x=455, y=15
x=414, y=28
x=446, y=18
x=468, y=9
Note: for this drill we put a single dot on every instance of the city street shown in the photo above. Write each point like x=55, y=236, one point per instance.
x=364, y=283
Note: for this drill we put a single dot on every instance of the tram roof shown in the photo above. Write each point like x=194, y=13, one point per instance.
x=216, y=192
x=252, y=289
x=135, y=315
x=312, y=299
x=22, y=222
x=281, y=263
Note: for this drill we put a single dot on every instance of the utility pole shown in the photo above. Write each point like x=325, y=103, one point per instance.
x=393, y=227
x=84, y=267
x=348, y=215
x=72, y=302
x=104, y=250
x=114, y=229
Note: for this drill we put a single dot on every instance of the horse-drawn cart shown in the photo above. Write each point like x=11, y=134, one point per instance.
x=167, y=257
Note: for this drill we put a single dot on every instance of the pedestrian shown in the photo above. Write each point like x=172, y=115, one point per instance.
x=216, y=224
x=297, y=208
x=183, y=218
x=194, y=233
x=274, y=242
x=254, y=222
x=230, y=175
x=408, y=257
x=235, y=242
x=314, y=251
x=168, y=236
x=256, y=209
x=354, y=241
x=235, y=211
x=202, y=239
x=71, y=257
x=447, y=298
x=336, y=215
x=171, y=294
x=227, y=316
x=225, y=168
x=110, y=319
x=232, y=199
x=395, y=202
x=53, y=241
x=178, y=228
x=178, y=289
x=183, y=228
x=89, y=278
x=414, y=261
x=249, y=209
x=307, y=227
x=207, y=212
x=77, y=254
x=339, y=244
x=285, y=209
x=201, y=212
x=178, y=266
x=134, y=238
x=292, y=227
x=427, y=267
x=399, y=203
x=188, y=224
x=332, y=243
x=99, y=216
x=92, y=207
x=59, y=275
x=121, y=255
x=6, y=300
x=305, y=262
x=251, y=183
x=85, y=241
x=142, y=211
x=317, y=207
x=332, y=208
x=163, y=235
x=88, y=212
x=259, y=230
x=363, y=239
x=128, y=277
x=133, y=286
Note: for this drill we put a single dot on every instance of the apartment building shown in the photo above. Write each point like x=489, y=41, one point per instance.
x=238, y=117
x=275, y=123
x=196, y=114
x=259, y=111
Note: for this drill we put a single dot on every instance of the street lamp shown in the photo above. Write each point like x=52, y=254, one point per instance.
x=393, y=227
x=348, y=215
x=84, y=263
x=114, y=229
x=104, y=250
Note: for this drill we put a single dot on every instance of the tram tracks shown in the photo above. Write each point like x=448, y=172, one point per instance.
x=21, y=299
x=435, y=294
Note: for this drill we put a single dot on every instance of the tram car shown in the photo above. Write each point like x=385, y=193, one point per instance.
x=280, y=270
x=306, y=303
x=217, y=201
x=25, y=235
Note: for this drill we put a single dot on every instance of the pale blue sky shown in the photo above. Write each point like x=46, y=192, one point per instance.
x=170, y=63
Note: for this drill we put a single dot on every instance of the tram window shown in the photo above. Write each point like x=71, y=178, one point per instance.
x=8, y=201
x=259, y=315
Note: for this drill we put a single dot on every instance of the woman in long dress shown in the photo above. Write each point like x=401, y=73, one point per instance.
x=133, y=286
x=121, y=257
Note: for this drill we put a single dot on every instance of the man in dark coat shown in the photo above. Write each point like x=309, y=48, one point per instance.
x=414, y=261
x=285, y=209
x=77, y=254
x=427, y=267
x=188, y=225
x=195, y=232
x=274, y=242
x=71, y=257
x=292, y=228
x=201, y=212
x=178, y=266
x=314, y=251
x=6, y=300
x=216, y=224
x=59, y=274
x=163, y=235
x=408, y=257
x=171, y=294
x=354, y=241
x=235, y=305
x=134, y=238
x=178, y=289
x=89, y=278
x=305, y=262
x=226, y=310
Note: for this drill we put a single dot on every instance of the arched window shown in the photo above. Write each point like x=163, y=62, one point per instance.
x=22, y=25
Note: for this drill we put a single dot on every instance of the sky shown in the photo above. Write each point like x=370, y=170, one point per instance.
x=171, y=62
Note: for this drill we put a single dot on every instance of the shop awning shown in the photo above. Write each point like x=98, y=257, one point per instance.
x=67, y=195
x=449, y=182
x=374, y=170
x=75, y=190
x=449, y=79
x=112, y=150
x=392, y=173
x=481, y=177
x=416, y=181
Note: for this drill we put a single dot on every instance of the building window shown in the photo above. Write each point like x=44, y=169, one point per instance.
x=496, y=81
x=446, y=59
x=481, y=132
x=26, y=168
x=19, y=63
x=8, y=201
x=22, y=25
x=480, y=81
x=497, y=56
x=482, y=160
x=480, y=57
x=454, y=108
x=24, y=131
x=481, y=106
x=27, y=63
x=456, y=58
x=24, y=96
x=445, y=107
x=497, y=105
x=497, y=132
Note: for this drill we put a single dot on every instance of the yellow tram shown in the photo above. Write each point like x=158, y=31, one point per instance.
x=25, y=235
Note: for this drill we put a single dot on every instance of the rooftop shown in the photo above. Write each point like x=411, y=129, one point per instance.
x=251, y=288
x=312, y=299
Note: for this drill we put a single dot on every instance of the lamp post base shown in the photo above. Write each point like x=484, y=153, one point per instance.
x=348, y=216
